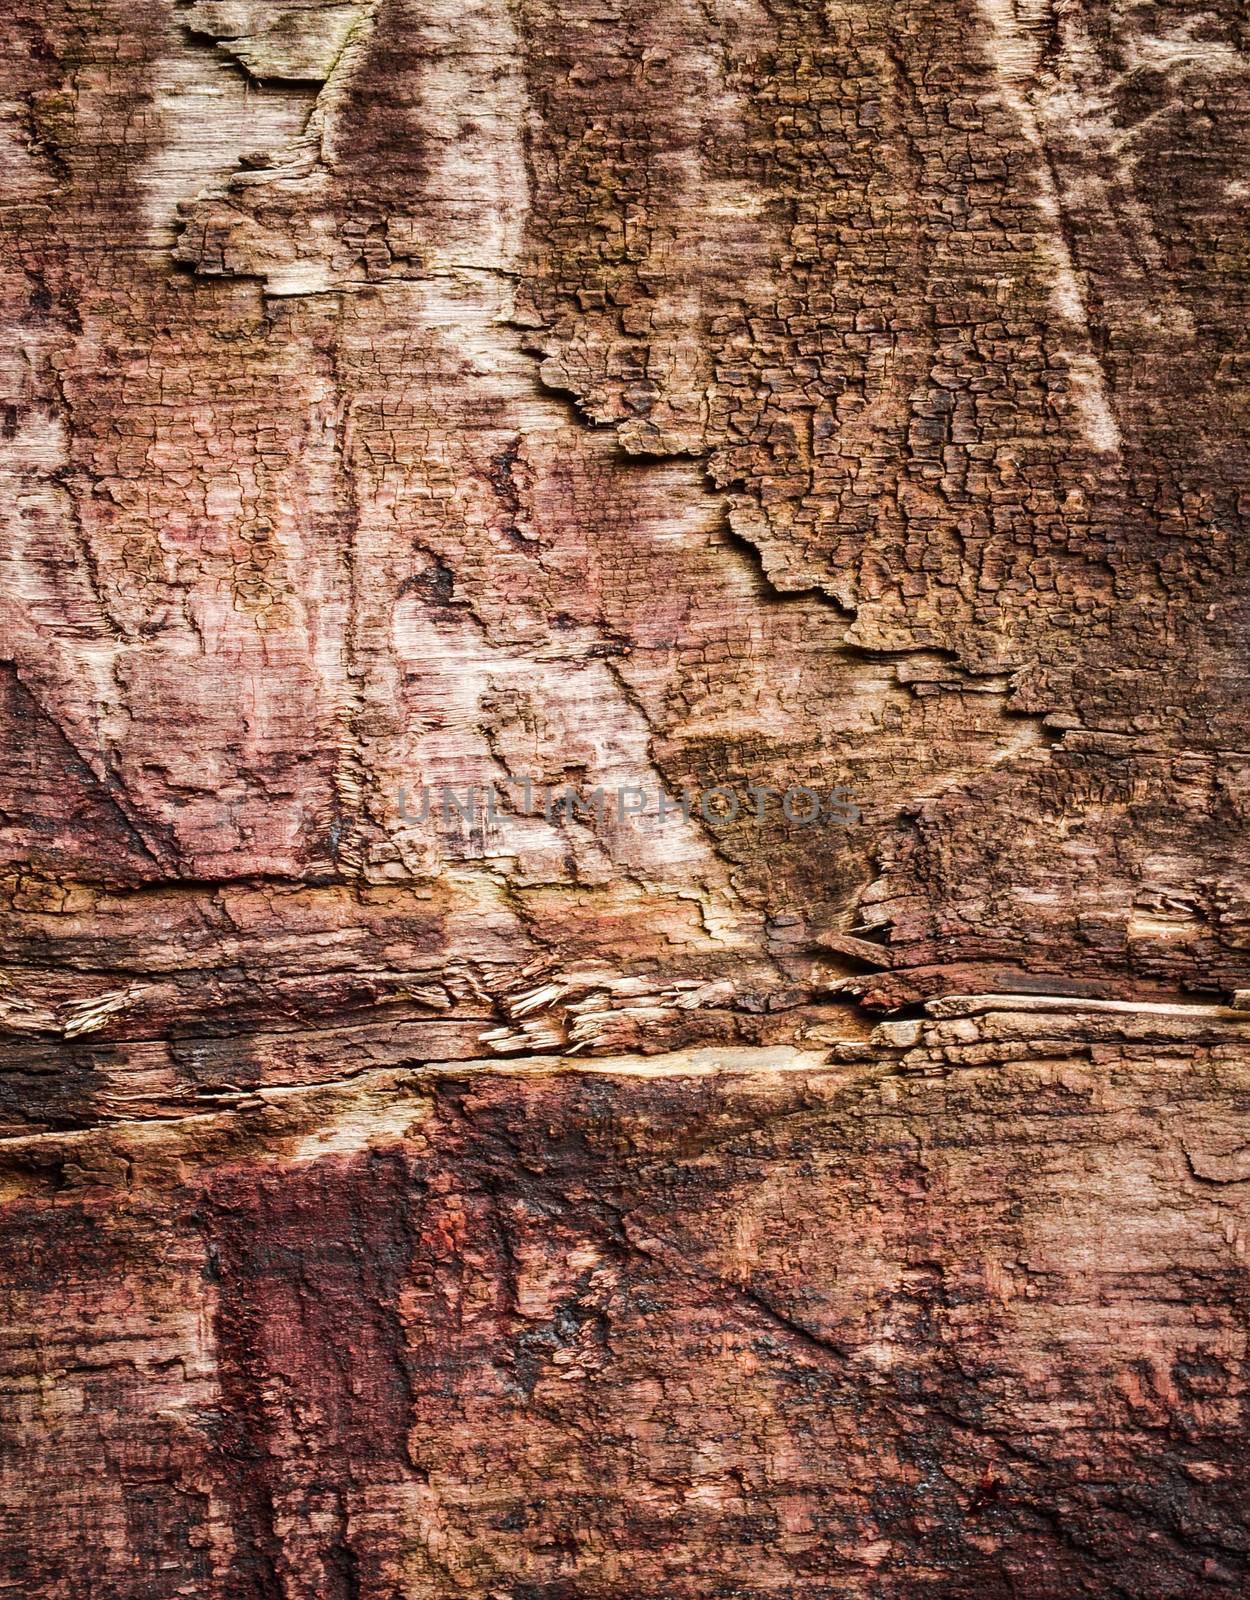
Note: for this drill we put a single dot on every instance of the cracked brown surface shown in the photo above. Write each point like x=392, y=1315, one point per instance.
x=961, y=1312
x=608, y=394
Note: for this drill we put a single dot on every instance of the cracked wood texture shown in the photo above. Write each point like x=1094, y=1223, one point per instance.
x=624, y=393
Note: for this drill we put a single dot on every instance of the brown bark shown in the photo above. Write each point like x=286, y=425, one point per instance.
x=660, y=396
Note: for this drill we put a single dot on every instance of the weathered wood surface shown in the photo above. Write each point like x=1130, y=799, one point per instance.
x=961, y=1313
x=608, y=395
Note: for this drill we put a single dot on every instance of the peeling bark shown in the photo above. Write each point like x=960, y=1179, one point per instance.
x=845, y=398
